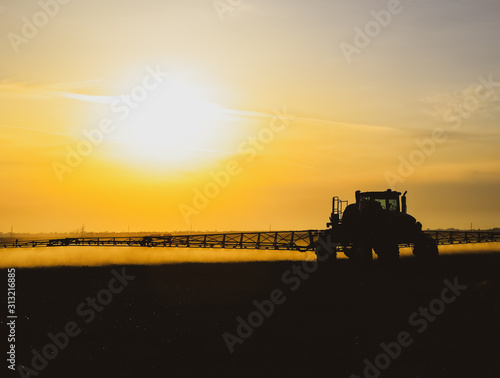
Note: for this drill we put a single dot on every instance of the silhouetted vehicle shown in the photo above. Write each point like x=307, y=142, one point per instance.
x=378, y=221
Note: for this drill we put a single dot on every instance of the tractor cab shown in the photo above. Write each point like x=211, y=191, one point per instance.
x=369, y=203
x=388, y=200
x=377, y=221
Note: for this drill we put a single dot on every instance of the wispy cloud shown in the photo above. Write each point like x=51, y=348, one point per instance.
x=70, y=91
x=31, y=90
x=88, y=98
x=34, y=129
x=441, y=102
x=76, y=84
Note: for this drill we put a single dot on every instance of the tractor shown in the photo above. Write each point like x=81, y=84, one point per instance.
x=377, y=221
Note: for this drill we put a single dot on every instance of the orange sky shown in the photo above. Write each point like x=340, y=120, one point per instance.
x=163, y=115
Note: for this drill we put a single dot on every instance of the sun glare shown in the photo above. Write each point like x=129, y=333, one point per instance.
x=174, y=125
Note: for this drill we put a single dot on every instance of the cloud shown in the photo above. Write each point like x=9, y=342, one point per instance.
x=33, y=129
x=76, y=84
x=484, y=101
x=88, y=98
x=31, y=90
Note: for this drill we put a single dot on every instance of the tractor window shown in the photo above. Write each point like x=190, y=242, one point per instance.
x=393, y=204
x=363, y=202
x=382, y=202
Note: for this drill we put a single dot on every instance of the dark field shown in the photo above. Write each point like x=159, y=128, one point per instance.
x=169, y=320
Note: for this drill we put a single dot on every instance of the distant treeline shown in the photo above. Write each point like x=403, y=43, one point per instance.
x=496, y=229
x=105, y=234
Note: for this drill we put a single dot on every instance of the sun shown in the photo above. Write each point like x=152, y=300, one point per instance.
x=174, y=125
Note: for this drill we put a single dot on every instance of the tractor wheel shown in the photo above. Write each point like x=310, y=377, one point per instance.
x=425, y=248
x=361, y=252
x=387, y=252
x=348, y=250
x=325, y=251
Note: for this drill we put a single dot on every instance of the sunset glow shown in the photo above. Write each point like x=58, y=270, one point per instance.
x=120, y=118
